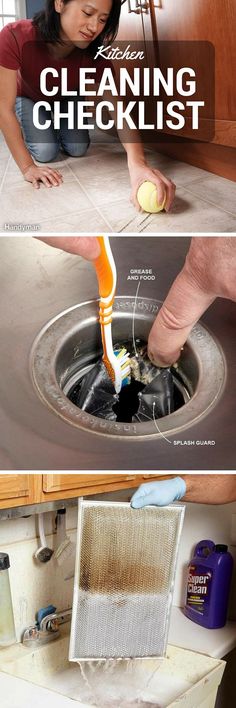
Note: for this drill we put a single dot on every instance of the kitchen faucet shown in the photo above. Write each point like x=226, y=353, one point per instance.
x=47, y=628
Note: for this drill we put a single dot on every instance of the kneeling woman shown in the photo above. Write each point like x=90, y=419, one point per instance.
x=65, y=34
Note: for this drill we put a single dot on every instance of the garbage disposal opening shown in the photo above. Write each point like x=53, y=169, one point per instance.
x=152, y=393
x=69, y=346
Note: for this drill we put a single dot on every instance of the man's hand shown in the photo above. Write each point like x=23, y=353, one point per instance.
x=140, y=172
x=209, y=272
x=159, y=493
x=198, y=488
x=87, y=247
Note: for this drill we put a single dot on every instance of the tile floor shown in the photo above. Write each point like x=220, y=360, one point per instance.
x=95, y=193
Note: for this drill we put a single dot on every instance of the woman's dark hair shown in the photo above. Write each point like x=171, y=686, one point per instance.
x=48, y=24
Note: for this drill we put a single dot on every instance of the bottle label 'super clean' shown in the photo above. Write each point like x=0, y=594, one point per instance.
x=199, y=588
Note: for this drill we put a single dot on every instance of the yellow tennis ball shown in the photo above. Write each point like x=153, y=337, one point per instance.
x=148, y=199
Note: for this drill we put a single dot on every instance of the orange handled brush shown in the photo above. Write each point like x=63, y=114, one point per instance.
x=116, y=362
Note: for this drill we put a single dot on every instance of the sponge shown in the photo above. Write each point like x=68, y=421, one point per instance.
x=148, y=199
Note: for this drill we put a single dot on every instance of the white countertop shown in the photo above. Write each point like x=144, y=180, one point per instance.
x=189, y=635
x=17, y=693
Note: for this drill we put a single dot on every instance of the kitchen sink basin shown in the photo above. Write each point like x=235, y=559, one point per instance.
x=158, y=683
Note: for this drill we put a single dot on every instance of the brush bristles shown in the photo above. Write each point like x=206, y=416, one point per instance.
x=119, y=376
x=123, y=356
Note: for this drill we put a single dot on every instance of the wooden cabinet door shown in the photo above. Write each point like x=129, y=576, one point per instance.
x=214, y=22
x=19, y=489
x=59, y=486
x=130, y=26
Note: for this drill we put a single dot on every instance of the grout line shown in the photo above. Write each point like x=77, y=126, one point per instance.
x=105, y=205
x=207, y=201
x=96, y=208
x=196, y=179
x=69, y=214
x=86, y=210
x=212, y=175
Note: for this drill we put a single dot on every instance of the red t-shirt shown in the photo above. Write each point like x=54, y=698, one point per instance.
x=22, y=49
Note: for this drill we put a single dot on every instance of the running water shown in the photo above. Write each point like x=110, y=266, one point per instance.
x=92, y=697
x=109, y=682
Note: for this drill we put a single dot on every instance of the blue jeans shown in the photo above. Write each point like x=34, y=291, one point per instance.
x=45, y=145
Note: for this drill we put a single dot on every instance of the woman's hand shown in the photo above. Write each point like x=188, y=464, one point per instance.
x=140, y=172
x=49, y=177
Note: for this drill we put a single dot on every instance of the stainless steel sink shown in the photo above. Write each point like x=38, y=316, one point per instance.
x=49, y=332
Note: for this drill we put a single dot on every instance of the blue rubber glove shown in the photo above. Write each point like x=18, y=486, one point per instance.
x=159, y=493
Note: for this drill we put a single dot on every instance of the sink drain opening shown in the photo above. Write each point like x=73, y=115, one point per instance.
x=128, y=403
x=125, y=407
x=152, y=393
x=68, y=350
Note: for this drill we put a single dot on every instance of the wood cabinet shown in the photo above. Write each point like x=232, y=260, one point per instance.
x=19, y=489
x=214, y=22
x=23, y=489
x=194, y=21
x=130, y=26
x=56, y=486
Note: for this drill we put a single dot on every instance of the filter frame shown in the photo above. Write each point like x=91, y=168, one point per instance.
x=82, y=504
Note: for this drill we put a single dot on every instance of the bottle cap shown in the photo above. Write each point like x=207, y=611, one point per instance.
x=221, y=548
x=4, y=561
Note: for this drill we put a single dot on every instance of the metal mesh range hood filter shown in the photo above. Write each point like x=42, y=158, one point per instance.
x=124, y=580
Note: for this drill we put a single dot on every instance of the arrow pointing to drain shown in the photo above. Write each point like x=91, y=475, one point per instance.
x=159, y=431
